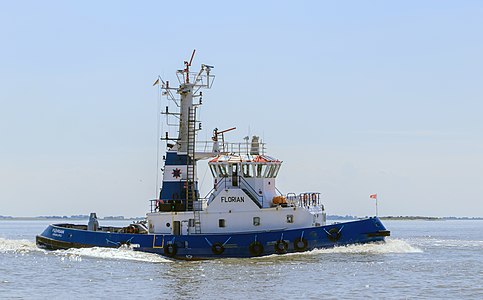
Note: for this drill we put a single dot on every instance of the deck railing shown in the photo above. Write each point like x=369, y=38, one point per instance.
x=235, y=148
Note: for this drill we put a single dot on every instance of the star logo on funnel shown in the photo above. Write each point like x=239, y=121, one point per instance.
x=176, y=173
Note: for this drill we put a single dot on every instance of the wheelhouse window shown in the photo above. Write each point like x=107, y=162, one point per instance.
x=213, y=171
x=261, y=170
x=246, y=170
x=277, y=168
x=222, y=171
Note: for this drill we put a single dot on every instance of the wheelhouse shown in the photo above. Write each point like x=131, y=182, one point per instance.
x=246, y=166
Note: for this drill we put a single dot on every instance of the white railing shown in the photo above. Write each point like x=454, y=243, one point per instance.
x=235, y=148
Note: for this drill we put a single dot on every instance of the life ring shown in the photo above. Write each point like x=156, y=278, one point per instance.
x=217, y=248
x=170, y=250
x=300, y=244
x=334, y=235
x=256, y=248
x=281, y=246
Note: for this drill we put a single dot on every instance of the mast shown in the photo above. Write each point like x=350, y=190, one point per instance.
x=190, y=85
x=187, y=97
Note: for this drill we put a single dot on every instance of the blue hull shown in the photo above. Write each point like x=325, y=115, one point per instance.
x=208, y=246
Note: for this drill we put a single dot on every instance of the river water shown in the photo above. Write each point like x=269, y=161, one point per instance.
x=422, y=259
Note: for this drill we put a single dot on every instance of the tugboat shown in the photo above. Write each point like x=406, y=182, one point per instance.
x=244, y=215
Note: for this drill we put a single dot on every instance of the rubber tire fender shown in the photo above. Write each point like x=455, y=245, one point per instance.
x=255, y=248
x=281, y=246
x=217, y=248
x=170, y=250
x=300, y=244
x=334, y=234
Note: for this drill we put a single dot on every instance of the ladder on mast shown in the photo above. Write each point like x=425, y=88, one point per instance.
x=191, y=194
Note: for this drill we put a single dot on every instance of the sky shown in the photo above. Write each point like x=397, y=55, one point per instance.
x=355, y=97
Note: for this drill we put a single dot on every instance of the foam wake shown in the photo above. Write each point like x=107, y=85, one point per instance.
x=389, y=246
x=110, y=253
x=24, y=247
x=18, y=246
x=454, y=243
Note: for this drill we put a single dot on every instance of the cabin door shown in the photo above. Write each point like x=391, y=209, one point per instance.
x=176, y=228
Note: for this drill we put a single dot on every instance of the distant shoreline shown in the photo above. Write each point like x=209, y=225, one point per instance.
x=57, y=218
x=410, y=218
x=329, y=217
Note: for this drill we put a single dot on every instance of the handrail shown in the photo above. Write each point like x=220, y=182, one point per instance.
x=197, y=205
x=152, y=204
x=217, y=185
x=250, y=189
x=235, y=148
x=306, y=199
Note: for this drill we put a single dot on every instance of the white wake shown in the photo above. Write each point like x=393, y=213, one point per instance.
x=18, y=246
x=24, y=247
x=110, y=253
x=389, y=246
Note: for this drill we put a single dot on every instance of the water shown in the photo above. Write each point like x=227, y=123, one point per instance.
x=422, y=259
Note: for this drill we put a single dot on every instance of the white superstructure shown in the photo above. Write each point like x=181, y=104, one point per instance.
x=244, y=197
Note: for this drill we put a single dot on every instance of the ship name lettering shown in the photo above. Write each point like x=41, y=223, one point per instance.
x=232, y=199
x=57, y=232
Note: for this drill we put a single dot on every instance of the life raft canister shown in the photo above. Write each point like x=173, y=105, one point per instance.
x=255, y=248
x=281, y=246
x=300, y=244
x=279, y=200
x=217, y=248
x=170, y=250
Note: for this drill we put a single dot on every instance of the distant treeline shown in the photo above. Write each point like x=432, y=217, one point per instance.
x=428, y=218
x=330, y=217
x=349, y=217
x=73, y=217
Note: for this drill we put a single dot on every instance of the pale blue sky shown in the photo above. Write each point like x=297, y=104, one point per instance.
x=356, y=97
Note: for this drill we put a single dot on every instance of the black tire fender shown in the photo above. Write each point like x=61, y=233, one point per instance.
x=170, y=250
x=217, y=248
x=334, y=234
x=255, y=248
x=281, y=246
x=300, y=244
